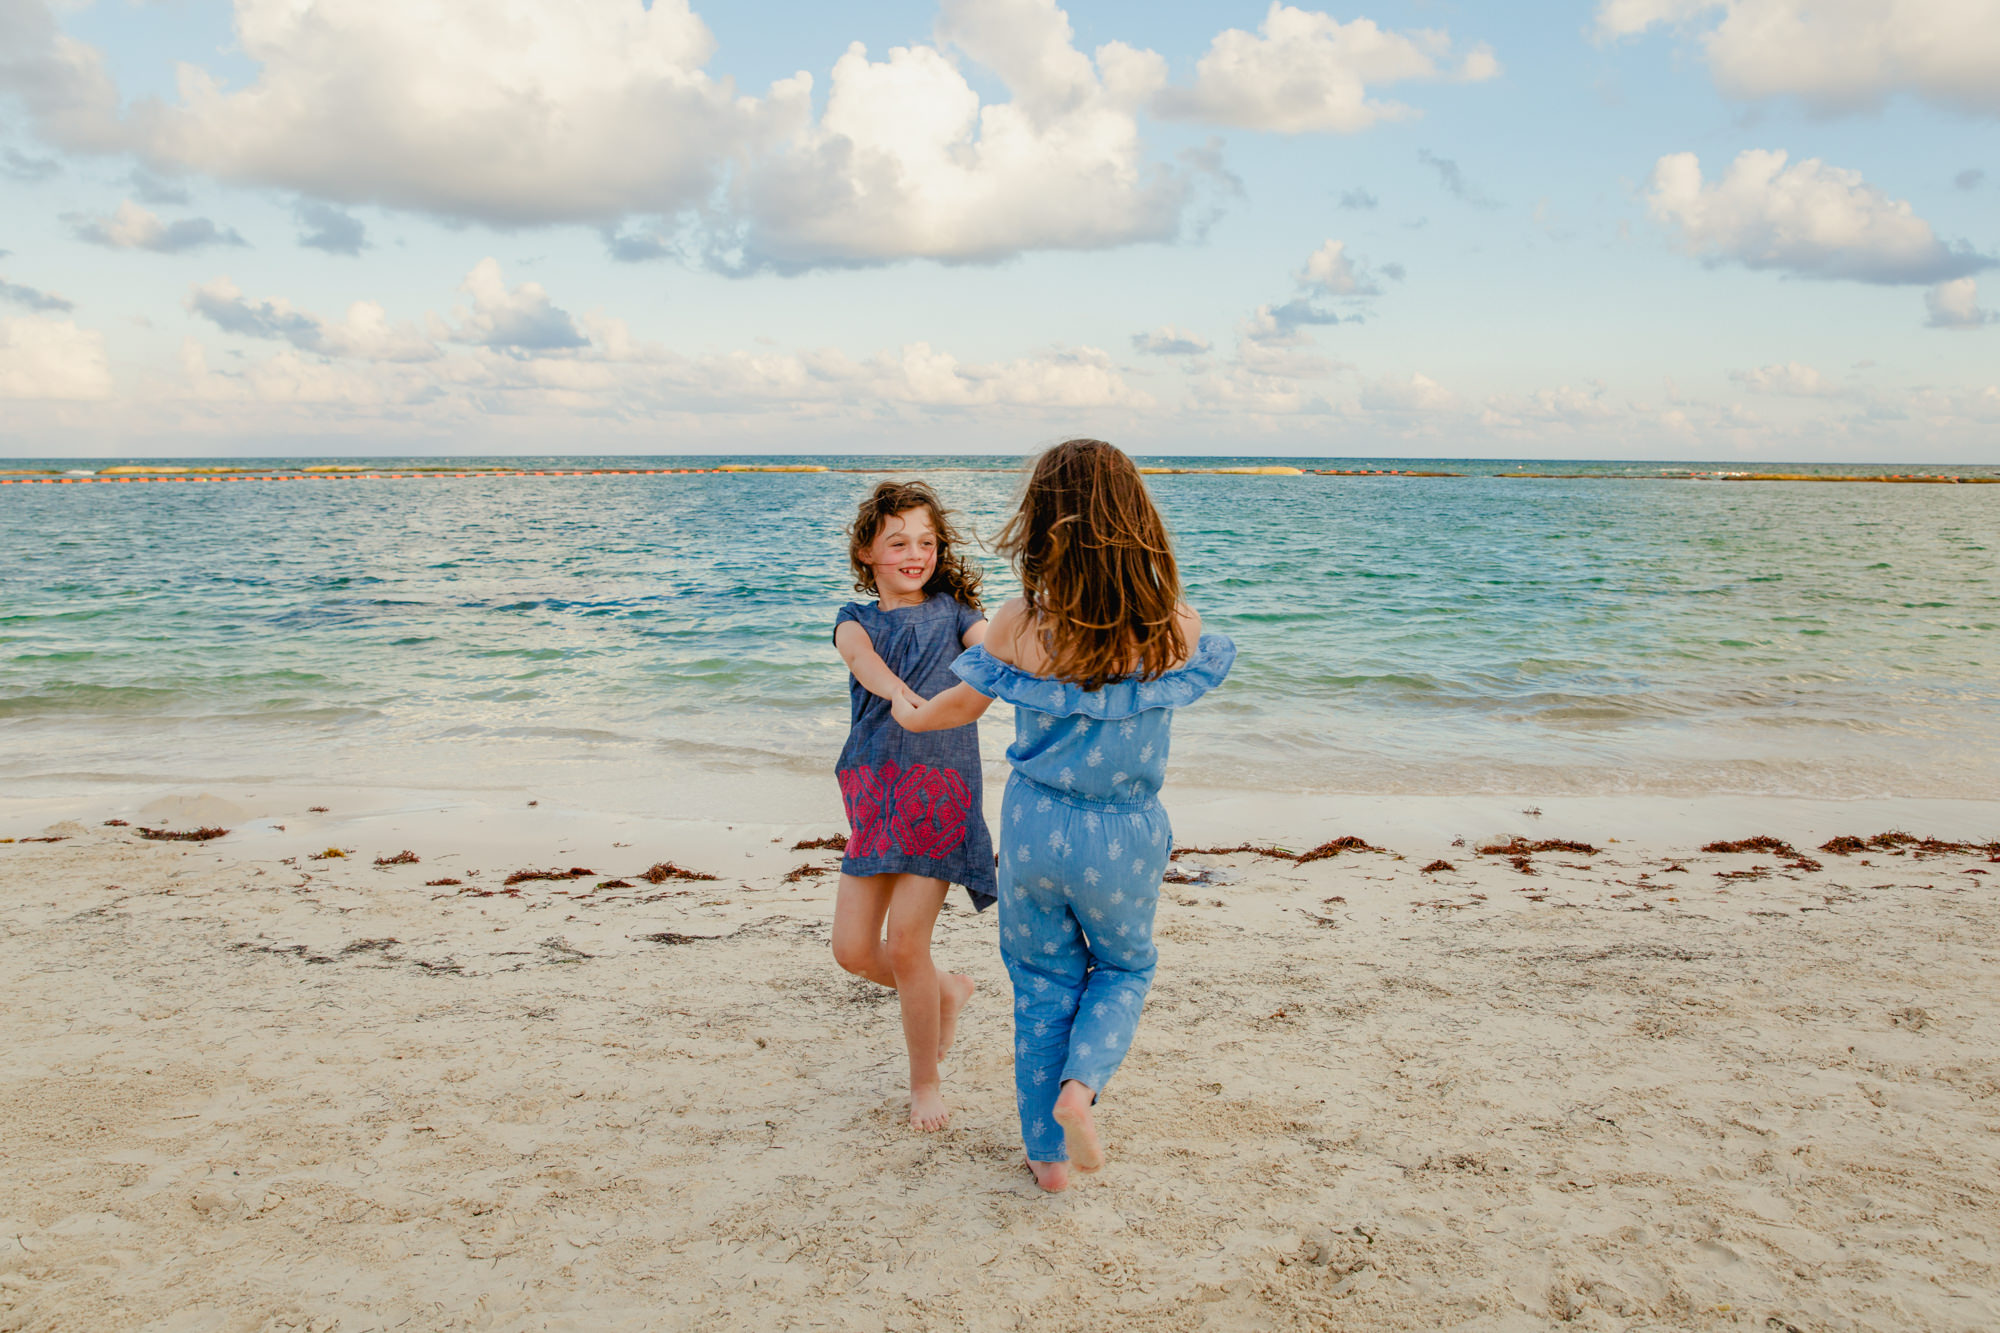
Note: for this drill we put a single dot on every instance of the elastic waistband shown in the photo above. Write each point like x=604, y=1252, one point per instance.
x=1084, y=802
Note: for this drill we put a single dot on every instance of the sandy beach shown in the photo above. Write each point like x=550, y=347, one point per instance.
x=1642, y=1087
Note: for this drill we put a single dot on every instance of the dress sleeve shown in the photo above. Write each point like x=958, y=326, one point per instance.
x=1214, y=654
x=851, y=611
x=968, y=616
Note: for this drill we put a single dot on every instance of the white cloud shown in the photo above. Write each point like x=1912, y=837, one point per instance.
x=512, y=112
x=1414, y=395
x=1167, y=340
x=52, y=358
x=1306, y=71
x=365, y=333
x=1955, y=305
x=1790, y=380
x=906, y=161
x=1809, y=219
x=136, y=228
x=523, y=318
x=1838, y=55
x=521, y=113
x=1330, y=272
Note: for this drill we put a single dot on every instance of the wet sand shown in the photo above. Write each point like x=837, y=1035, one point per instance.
x=246, y=1089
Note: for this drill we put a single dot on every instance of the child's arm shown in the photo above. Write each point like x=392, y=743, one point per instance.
x=954, y=708
x=858, y=651
x=975, y=633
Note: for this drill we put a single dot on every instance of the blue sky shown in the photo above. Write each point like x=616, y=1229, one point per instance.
x=1756, y=229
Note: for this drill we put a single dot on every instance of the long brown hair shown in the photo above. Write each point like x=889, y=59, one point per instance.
x=1096, y=566
x=954, y=573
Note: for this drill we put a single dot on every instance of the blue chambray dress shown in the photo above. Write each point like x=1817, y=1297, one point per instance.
x=915, y=804
x=1083, y=841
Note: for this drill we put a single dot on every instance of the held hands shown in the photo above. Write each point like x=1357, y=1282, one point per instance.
x=904, y=707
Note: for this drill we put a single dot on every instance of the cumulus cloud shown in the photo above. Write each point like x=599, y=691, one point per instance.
x=1330, y=271
x=906, y=161
x=364, y=334
x=1167, y=340
x=1305, y=71
x=514, y=112
x=136, y=228
x=1955, y=305
x=32, y=297
x=334, y=230
x=523, y=318
x=1414, y=395
x=1837, y=55
x=1790, y=380
x=1808, y=219
x=52, y=358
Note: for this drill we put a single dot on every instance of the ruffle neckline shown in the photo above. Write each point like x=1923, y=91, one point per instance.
x=1213, y=656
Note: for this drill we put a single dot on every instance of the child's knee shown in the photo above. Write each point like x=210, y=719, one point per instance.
x=853, y=955
x=909, y=949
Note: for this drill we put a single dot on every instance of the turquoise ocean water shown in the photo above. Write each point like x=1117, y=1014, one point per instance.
x=651, y=638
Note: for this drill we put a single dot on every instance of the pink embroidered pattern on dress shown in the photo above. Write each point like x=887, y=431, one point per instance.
x=921, y=812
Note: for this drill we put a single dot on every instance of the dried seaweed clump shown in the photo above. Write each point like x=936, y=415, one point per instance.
x=524, y=876
x=831, y=843
x=442, y=883
x=330, y=854
x=662, y=871
x=1897, y=843
x=1519, y=846
x=1330, y=848
x=1768, y=846
x=1439, y=866
x=807, y=871
x=182, y=835
x=406, y=857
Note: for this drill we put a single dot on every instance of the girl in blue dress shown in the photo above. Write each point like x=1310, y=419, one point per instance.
x=915, y=814
x=1095, y=656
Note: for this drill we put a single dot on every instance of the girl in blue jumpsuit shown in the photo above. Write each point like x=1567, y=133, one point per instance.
x=1083, y=838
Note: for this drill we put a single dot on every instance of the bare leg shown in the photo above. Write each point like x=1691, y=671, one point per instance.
x=954, y=989
x=858, y=912
x=1051, y=1176
x=913, y=909
x=1079, y=1126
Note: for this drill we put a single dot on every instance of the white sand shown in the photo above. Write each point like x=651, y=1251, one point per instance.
x=243, y=1094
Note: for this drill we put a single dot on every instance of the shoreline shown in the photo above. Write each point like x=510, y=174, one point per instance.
x=1642, y=1086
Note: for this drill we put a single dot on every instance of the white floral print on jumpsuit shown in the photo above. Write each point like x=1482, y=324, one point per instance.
x=1082, y=843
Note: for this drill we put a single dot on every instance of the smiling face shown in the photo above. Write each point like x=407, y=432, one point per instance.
x=904, y=556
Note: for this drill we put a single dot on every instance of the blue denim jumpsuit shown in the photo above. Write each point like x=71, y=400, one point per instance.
x=1082, y=842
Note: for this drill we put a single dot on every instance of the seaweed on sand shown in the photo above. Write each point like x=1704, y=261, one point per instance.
x=1330, y=848
x=1898, y=843
x=833, y=842
x=662, y=871
x=1438, y=866
x=806, y=871
x=525, y=876
x=674, y=937
x=406, y=857
x=441, y=883
x=1768, y=846
x=1519, y=846
x=184, y=835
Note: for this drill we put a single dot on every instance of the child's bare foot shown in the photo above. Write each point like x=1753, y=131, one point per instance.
x=927, y=1110
x=1079, y=1126
x=954, y=989
x=1051, y=1176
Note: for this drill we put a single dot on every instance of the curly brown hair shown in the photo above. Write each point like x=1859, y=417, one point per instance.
x=954, y=574
x=1097, y=568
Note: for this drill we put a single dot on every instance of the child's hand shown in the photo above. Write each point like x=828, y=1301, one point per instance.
x=904, y=708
